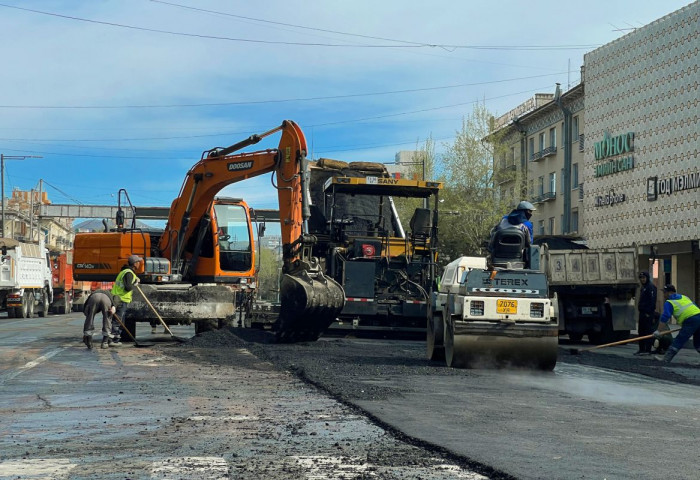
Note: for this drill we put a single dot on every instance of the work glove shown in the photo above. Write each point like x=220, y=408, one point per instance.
x=113, y=309
x=657, y=334
x=137, y=280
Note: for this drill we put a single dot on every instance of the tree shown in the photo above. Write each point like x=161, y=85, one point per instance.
x=269, y=266
x=472, y=205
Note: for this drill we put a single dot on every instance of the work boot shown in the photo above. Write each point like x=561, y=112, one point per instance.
x=115, y=343
x=85, y=340
x=153, y=330
x=670, y=353
x=88, y=341
x=105, y=342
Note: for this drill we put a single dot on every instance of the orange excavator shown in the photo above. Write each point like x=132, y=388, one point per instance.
x=194, y=270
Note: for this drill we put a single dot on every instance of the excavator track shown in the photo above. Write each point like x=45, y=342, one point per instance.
x=500, y=345
x=310, y=302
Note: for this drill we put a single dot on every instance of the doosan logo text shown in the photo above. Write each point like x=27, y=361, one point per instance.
x=234, y=166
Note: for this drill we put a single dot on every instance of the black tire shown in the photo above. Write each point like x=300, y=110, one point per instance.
x=30, y=305
x=11, y=312
x=44, y=310
x=24, y=309
x=606, y=334
x=435, y=336
x=18, y=312
x=575, y=337
x=449, y=340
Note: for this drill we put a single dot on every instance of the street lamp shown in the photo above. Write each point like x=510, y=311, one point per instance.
x=2, y=182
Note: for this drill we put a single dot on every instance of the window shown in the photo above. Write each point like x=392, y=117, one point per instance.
x=541, y=141
x=553, y=137
x=503, y=161
x=574, y=220
x=540, y=227
x=532, y=148
x=540, y=185
x=574, y=175
x=233, y=237
x=551, y=225
x=574, y=129
x=553, y=182
x=512, y=155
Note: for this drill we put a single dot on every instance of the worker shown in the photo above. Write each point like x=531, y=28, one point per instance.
x=100, y=301
x=123, y=286
x=519, y=218
x=647, y=308
x=688, y=316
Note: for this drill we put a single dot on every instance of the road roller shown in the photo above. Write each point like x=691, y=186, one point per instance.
x=493, y=317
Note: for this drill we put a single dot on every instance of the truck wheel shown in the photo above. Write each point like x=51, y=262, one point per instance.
x=24, y=309
x=44, y=309
x=575, y=337
x=434, y=336
x=30, y=305
x=449, y=337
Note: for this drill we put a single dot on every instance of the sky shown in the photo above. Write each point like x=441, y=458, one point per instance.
x=116, y=94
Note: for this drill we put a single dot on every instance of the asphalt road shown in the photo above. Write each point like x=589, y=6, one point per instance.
x=231, y=404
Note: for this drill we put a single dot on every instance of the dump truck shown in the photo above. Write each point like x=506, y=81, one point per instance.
x=196, y=267
x=593, y=290
x=62, y=278
x=386, y=272
x=25, y=278
x=492, y=316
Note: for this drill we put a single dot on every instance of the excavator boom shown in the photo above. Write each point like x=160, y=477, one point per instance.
x=310, y=300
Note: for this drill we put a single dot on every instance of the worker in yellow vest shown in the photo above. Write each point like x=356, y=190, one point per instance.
x=688, y=316
x=123, y=286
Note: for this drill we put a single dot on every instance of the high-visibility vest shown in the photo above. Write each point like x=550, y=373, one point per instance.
x=683, y=308
x=118, y=288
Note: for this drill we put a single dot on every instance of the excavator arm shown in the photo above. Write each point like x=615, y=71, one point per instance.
x=310, y=300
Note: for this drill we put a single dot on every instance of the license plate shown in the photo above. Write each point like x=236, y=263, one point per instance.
x=507, y=306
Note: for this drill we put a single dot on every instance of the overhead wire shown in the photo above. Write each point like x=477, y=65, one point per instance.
x=285, y=100
x=311, y=44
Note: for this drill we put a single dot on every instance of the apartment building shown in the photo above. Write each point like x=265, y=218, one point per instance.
x=540, y=159
x=616, y=159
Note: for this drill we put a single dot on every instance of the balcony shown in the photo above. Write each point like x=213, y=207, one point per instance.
x=543, y=154
x=545, y=197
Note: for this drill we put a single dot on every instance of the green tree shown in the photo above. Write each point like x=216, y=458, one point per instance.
x=472, y=205
x=269, y=267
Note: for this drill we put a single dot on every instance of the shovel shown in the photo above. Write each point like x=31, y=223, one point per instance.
x=576, y=351
x=136, y=344
x=165, y=325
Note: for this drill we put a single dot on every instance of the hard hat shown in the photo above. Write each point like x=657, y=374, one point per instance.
x=525, y=205
x=133, y=259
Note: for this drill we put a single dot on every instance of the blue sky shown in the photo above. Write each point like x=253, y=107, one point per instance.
x=128, y=93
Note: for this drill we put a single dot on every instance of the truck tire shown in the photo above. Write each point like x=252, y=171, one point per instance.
x=30, y=305
x=434, y=336
x=44, y=309
x=24, y=309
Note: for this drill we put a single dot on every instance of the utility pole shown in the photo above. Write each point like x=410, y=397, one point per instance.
x=2, y=182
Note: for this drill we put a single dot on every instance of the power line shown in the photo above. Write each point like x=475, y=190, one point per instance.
x=285, y=100
x=309, y=44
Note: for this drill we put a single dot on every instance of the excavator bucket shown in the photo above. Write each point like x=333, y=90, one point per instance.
x=310, y=302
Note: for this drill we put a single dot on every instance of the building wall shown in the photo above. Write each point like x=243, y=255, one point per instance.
x=642, y=104
x=645, y=83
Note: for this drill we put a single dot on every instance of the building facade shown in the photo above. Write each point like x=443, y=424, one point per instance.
x=642, y=152
x=616, y=159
